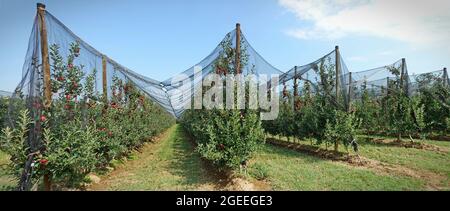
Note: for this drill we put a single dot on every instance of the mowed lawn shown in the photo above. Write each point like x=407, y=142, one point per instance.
x=168, y=164
x=286, y=169
x=424, y=162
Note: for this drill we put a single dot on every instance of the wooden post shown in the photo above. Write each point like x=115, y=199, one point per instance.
x=295, y=82
x=44, y=55
x=387, y=86
x=445, y=77
x=350, y=87
x=105, y=81
x=402, y=76
x=238, y=49
x=338, y=66
x=296, y=100
x=46, y=71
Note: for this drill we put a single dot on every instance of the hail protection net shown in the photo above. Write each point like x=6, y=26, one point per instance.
x=326, y=75
x=67, y=51
x=172, y=94
x=5, y=93
x=427, y=80
x=378, y=81
x=183, y=86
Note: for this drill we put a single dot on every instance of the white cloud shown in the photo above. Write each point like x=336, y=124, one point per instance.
x=417, y=22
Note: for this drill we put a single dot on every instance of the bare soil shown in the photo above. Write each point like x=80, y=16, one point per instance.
x=410, y=144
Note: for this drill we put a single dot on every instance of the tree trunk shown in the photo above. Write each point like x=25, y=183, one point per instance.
x=47, y=183
x=336, y=146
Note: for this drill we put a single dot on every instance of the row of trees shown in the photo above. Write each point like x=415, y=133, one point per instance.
x=397, y=111
x=434, y=96
x=317, y=114
x=228, y=137
x=80, y=132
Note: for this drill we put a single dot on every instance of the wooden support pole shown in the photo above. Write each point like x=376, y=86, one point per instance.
x=295, y=82
x=350, y=88
x=296, y=101
x=387, y=86
x=46, y=71
x=338, y=67
x=104, y=80
x=44, y=55
x=445, y=77
x=402, y=76
x=238, y=49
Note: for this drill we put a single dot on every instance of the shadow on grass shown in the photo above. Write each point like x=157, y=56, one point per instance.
x=280, y=152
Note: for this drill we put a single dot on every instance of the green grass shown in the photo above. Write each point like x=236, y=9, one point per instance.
x=290, y=170
x=169, y=164
x=7, y=182
x=416, y=159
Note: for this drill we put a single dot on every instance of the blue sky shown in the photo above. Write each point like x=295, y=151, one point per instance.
x=160, y=38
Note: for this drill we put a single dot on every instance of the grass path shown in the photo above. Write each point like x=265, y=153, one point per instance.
x=169, y=163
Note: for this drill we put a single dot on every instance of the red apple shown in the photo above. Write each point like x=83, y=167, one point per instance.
x=43, y=161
